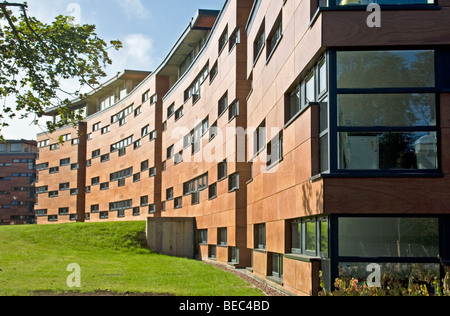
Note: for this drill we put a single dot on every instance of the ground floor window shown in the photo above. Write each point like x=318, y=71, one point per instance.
x=388, y=250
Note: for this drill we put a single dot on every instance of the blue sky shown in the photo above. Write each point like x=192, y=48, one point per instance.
x=147, y=28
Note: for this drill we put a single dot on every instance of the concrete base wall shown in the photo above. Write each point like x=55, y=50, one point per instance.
x=172, y=236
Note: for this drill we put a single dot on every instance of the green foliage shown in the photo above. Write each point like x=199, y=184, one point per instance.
x=35, y=58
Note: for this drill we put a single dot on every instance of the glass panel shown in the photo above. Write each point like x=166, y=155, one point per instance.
x=323, y=124
x=324, y=237
x=388, y=237
x=385, y=69
x=296, y=234
x=322, y=76
x=324, y=161
x=310, y=89
x=387, y=110
x=388, y=150
x=310, y=237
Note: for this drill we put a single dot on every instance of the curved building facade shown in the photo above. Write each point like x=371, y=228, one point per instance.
x=301, y=137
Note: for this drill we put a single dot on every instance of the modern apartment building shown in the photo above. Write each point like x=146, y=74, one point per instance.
x=17, y=176
x=301, y=136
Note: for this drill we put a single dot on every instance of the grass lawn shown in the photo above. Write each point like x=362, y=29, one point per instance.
x=35, y=258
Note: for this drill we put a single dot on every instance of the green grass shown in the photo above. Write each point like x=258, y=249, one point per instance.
x=35, y=258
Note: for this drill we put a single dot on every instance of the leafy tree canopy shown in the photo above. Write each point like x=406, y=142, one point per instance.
x=35, y=58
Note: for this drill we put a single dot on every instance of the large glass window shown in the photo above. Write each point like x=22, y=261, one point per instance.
x=385, y=69
x=386, y=110
x=388, y=237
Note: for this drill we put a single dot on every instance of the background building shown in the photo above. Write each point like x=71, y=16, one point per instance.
x=17, y=176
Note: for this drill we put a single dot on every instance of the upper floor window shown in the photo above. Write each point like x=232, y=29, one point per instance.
x=386, y=108
x=274, y=36
x=259, y=42
x=235, y=38
x=223, y=39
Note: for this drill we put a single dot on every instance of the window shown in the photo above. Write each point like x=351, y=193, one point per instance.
x=153, y=135
x=18, y=147
x=52, y=218
x=95, y=181
x=222, y=170
x=203, y=236
x=137, y=177
x=64, y=162
x=146, y=96
x=169, y=194
x=277, y=265
x=151, y=208
x=104, y=158
x=53, y=194
x=212, y=252
x=152, y=172
x=213, y=73
x=223, y=104
x=106, y=129
x=178, y=157
x=259, y=138
x=235, y=38
x=309, y=236
x=124, y=205
x=178, y=202
x=233, y=182
x=178, y=113
x=205, y=125
x=275, y=150
x=233, y=110
x=223, y=40
x=213, y=130
x=54, y=170
x=258, y=44
x=145, y=130
x=170, y=152
x=122, y=144
x=42, y=166
x=144, y=200
x=96, y=126
x=136, y=211
x=212, y=191
x=104, y=186
x=403, y=243
x=170, y=110
x=95, y=208
x=103, y=215
x=96, y=154
x=222, y=236
x=54, y=146
x=296, y=236
x=123, y=174
x=274, y=36
x=138, y=111
x=384, y=124
x=144, y=165
x=63, y=211
x=260, y=236
x=64, y=186
x=75, y=141
x=137, y=144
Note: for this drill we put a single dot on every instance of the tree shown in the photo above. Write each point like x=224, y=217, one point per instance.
x=35, y=58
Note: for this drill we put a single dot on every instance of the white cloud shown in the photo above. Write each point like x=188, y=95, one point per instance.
x=134, y=9
x=136, y=54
